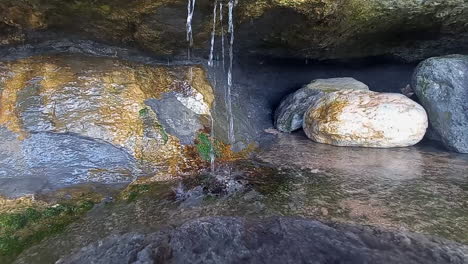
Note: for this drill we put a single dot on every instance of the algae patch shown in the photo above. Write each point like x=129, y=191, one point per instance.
x=22, y=229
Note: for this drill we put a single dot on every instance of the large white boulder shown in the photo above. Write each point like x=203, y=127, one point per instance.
x=289, y=116
x=365, y=119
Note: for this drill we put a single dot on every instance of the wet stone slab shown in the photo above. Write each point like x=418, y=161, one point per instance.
x=47, y=161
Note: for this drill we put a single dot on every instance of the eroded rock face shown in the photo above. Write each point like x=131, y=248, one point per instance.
x=321, y=29
x=289, y=115
x=366, y=119
x=274, y=240
x=441, y=85
x=82, y=119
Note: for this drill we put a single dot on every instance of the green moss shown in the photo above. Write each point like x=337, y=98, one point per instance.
x=205, y=147
x=136, y=190
x=143, y=112
x=163, y=133
x=20, y=230
x=153, y=191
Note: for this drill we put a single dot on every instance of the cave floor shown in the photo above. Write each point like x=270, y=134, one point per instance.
x=421, y=189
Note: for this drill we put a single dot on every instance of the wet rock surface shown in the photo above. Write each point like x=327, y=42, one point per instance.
x=441, y=85
x=419, y=189
x=289, y=115
x=72, y=119
x=48, y=161
x=275, y=240
x=182, y=115
x=365, y=119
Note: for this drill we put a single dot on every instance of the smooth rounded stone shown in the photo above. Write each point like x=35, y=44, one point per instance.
x=441, y=85
x=366, y=119
x=272, y=240
x=290, y=113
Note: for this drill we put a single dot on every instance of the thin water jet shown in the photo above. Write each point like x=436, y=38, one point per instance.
x=231, y=135
x=190, y=11
x=213, y=33
x=222, y=34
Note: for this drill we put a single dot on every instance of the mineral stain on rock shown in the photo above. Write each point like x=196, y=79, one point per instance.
x=56, y=103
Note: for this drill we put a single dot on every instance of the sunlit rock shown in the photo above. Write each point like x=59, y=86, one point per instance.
x=366, y=119
x=290, y=114
x=441, y=85
x=85, y=119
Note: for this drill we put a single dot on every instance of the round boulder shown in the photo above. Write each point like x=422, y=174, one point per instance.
x=290, y=114
x=366, y=119
x=441, y=85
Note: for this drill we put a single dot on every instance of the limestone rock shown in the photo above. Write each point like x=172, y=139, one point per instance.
x=290, y=114
x=441, y=85
x=81, y=119
x=366, y=119
x=325, y=29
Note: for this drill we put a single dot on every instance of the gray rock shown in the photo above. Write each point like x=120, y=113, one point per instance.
x=274, y=240
x=46, y=161
x=290, y=114
x=441, y=85
x=177, y=119
x=73, y=119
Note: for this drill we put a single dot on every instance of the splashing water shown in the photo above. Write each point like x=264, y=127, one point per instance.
x=213, y=32
x=190, y=10
x=229, y=76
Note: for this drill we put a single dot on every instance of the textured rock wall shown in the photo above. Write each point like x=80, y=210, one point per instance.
x=74, y=119
x=321, y=29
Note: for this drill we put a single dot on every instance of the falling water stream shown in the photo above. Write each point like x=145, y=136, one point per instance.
x=229, y=75
x=190, y=10
x=213, y=33
x=228, y=95
x=222, y=33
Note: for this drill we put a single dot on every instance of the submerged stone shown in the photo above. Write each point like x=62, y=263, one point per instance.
x=272, y=240
x=366, y=119
x=289, y=115
x=441, y=85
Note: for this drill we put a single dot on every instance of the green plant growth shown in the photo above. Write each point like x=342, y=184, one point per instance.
x=205, y=147
x=143, y=112
x=163, y=133
x=153, y=191
x=20, y=230
x=135, y=191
